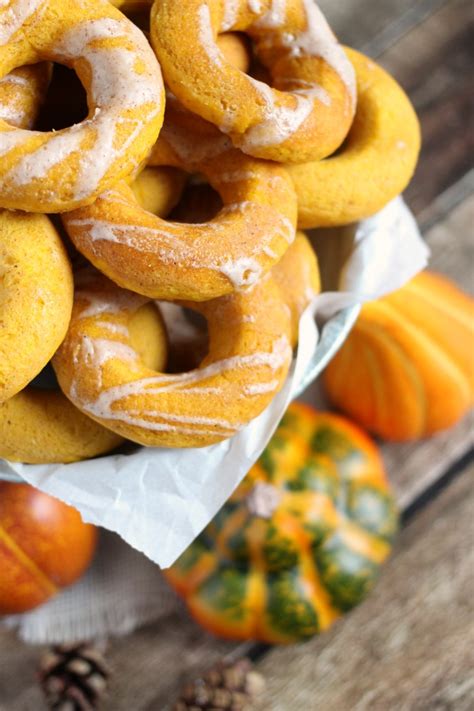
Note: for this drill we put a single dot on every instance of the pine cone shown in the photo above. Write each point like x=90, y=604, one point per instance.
x=226, y=687
x=73, y=677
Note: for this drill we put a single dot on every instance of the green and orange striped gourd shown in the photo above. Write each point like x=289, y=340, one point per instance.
x=300, y=542
x=406, y=370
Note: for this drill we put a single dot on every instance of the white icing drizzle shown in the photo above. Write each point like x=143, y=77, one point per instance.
x=318, y=40
x=99, y=351
x=15, y=16
x=231, y=9
x=13, y=78
x=269, y=252
x=261, y=388
x=100, y=303
x=307, y=88
x=116, y=328
x=206, y=35
x=124, y=79
x=255, y=6
x=275, y=16
x=243, y=272
x=10, y=140
x=279, y=122
x=103, y=406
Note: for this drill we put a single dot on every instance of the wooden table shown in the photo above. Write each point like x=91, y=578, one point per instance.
x=410, y=646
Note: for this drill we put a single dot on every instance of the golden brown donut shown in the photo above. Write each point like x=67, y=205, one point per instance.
x=375, y=163
x=166, y=260
x=36, y=293
x=55, y=171
x=307, y=111
x=102, y=374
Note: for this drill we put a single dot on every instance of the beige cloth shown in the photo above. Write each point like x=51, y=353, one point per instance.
x=122, y=590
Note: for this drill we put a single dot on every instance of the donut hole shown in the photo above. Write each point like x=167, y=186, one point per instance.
x=188, y=337
x=65, y=102
x=199, y=203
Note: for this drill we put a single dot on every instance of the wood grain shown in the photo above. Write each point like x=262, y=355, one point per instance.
x=409, y=646
x=374, y=26
x=433, y=63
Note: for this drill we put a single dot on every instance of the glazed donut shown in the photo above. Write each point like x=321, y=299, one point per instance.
x=22, y=93
x=166, y=260
x=43, y=427
x=248, y=360
x=307, y=114
x=40, y=426
x=297, y=275
x=376, y=161
x=62, y=170
x=36, y=294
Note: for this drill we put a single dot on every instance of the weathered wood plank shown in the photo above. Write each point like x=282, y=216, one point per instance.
x=433, y=63
x=18, y=691
x=372, y=27
x=408, y=647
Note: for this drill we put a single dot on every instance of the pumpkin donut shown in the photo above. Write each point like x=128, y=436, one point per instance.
x=61, y=170
x=297, y=275
x=375, y=163
x=22, y=93
x=248, y=360
x=308, y=110
x=40, y=426
x=36, y=294
x=167, y=260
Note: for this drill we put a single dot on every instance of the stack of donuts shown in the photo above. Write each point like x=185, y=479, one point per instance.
x=214, y=129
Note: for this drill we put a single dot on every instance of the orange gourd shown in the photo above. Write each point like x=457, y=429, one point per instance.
x=44, y=546
x=406, y=370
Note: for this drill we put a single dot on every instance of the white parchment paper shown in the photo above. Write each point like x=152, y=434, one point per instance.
x=158, y=500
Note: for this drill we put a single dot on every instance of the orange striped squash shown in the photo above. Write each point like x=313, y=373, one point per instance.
x=300, y=541
x=406, y=370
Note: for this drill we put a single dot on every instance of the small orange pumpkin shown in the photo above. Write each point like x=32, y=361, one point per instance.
x=406, y=370
x=44, y=546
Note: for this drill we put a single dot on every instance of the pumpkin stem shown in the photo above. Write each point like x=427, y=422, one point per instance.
x=263, y=500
